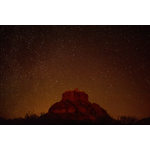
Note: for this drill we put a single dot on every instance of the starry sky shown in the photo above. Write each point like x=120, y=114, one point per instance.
x=110, y=63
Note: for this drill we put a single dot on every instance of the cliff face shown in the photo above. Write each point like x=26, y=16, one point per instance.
x=75, y=106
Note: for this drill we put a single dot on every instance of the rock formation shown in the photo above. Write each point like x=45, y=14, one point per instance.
x=75, y=106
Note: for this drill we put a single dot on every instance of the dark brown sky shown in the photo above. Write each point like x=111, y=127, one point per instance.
x=110, y=63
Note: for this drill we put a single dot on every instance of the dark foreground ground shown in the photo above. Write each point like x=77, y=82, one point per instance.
x=57, y=120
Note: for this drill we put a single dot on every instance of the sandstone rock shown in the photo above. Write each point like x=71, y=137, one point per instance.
x=75, y=95
x=75, y=106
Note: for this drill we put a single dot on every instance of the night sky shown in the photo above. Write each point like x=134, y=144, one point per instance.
x=110, y=63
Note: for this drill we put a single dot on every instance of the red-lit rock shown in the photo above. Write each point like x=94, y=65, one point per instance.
x=75, y=106
x=75, y=95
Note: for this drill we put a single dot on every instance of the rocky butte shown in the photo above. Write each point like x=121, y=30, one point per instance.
x=75, y=105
